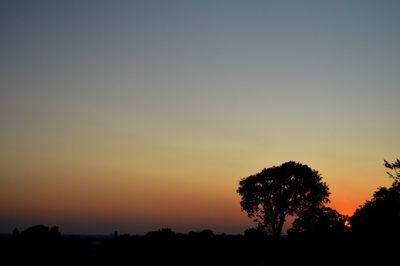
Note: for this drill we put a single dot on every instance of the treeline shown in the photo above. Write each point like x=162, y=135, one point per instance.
x=43, y=245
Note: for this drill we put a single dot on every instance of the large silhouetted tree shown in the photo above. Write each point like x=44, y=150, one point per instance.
x=271, y=195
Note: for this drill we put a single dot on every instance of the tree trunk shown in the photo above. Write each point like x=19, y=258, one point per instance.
x=281, y=222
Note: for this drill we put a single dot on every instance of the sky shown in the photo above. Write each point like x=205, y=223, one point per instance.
x=140, y=115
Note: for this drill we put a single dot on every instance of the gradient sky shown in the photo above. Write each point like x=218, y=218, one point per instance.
x=136, y=115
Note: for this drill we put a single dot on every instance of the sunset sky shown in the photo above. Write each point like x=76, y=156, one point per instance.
x=137, y=115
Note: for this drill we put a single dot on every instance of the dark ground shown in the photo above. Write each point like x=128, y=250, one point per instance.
x=202, y=248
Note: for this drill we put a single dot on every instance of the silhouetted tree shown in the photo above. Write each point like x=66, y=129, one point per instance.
x=41, y=245
x=380, y=216
x=205, y=234
x=271, y=195
x=41, y=232
x=164, y=233
x=320, y=222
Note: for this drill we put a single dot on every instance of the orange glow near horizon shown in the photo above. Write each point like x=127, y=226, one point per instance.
x=151, y=201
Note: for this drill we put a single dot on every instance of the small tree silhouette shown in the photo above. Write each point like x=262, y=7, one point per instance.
x=271, y=195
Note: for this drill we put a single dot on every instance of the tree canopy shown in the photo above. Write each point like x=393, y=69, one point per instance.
x=380, y=216
x=271, y=195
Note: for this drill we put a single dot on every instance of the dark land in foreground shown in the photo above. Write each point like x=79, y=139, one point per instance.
x=42, y=245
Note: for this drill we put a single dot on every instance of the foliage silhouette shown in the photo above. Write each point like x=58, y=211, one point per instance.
x=271, y=195
x=41, y=245
x=164, y=233
x=42, y=232
x=380, y=216
x=395, y=167
x=320, y=222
